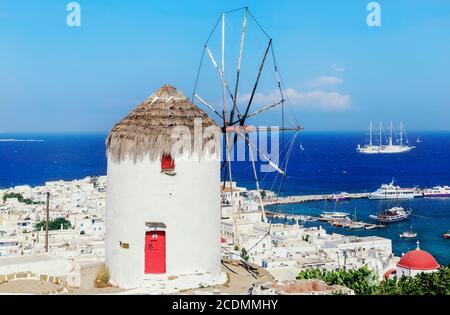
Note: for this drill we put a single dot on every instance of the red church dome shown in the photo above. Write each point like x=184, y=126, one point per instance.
x=418, y=260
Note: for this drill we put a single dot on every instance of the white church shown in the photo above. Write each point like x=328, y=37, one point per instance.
x=163, y=198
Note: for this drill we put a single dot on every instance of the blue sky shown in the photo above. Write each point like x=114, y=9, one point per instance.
x=339, y=72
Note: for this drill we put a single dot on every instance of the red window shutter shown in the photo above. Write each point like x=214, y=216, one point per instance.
x=167, y=163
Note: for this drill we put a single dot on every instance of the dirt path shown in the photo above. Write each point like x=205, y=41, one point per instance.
x=239, y=279
x=28, y=286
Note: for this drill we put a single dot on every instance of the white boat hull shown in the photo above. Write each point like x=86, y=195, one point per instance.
x=414, y=235
x=395, y=196
x=384, y=149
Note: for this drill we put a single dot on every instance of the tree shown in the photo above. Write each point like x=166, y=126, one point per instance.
x=54, y=224
x=244, y=254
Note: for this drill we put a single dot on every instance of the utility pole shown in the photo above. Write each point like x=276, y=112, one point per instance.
x=46, y=221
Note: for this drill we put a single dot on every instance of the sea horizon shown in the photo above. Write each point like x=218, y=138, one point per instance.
x=357, y=131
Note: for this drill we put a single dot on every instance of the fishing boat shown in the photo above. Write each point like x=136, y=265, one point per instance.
x=391, y=191
x=447, y=235
x=391, y=215
x=437, y=191
x=383, y=148
x=357, y=225
x=343, y=196
x=408, y=234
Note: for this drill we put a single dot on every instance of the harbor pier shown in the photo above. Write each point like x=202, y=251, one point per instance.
x=345, y=223
x=309, y=198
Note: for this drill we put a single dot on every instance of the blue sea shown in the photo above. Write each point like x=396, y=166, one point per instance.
x=328, y=164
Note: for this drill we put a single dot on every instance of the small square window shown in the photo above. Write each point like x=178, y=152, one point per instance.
x=167, y=163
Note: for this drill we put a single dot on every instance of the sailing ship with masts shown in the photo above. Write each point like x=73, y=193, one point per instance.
x=390, y=147
x=394, y=214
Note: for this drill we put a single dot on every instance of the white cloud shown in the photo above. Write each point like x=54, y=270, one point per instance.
x=325, y=81
x=338, y=68
x=319, y=99
x=314, y=99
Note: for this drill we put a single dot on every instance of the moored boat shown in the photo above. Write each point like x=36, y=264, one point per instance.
x=437, y=192
x=343, y=196
x=337, y=223
x=357, y=225
x=334, y=215
x=391, y=191
x=391, y=215
x=447, y=235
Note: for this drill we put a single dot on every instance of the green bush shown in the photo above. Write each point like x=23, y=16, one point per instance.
x=244, y=254
x=363, y=282
x=54, y=224
x=434, y=283
x=20, y=198
x=360, y=280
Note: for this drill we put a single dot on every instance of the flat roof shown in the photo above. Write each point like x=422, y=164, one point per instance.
x=10, y=260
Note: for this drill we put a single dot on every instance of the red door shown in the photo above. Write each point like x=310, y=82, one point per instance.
x=155, y=252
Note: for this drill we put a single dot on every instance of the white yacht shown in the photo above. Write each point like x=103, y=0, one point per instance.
x=391, y=191
x=388, y=148
x=334, y=215
x=438, y=191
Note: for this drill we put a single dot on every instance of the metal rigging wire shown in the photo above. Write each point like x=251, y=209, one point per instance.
x=287, y=149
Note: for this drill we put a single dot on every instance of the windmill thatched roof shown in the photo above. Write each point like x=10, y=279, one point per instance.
x=148, y=128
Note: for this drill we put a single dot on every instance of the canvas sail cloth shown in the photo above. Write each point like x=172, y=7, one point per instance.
x=166, y=123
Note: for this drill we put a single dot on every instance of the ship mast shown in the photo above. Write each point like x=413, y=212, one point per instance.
x=381, y=141
x=401, y=134
x=370, y=141
x=390, y=138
